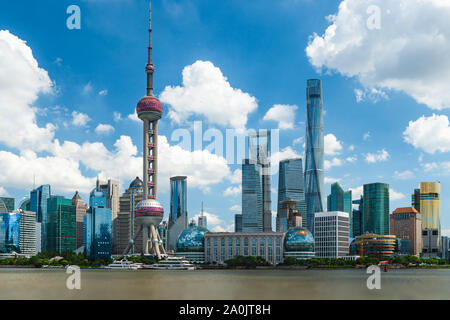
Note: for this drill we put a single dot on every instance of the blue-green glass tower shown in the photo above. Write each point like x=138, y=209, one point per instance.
x=314, y=173
x=178, y=218
x=340, y=200
x=376, y=208
x=38, y=204
x=252, y=197
x=291, y=184
x=98, y=227
x=9, y=232
x=7, y=204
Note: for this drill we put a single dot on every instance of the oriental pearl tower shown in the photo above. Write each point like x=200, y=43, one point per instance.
x=149, y=211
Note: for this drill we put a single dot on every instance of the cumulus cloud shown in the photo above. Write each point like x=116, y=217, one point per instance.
x=233, y=191
x=366, y=136
x=211, y=218
x=372, y=94
x=79, y=119
x=236, y=177
x=104, y=129
x=437, y=168
x=379, y=156
x=206, y=92
x=404, y=175
x=21, y=82
x=283, y=114
x=117, y=116
x=329, y=180
x=394, y=195
x=332, y=145
x=429, y=134
x=103, y=92
x=134, y=117
x=335, y=162
x=3, y=192
x=412, y=33
x=236, y=208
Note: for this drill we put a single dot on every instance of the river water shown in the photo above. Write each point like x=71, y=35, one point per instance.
x=225, y=284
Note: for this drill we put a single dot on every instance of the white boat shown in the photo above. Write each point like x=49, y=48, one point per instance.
x=172, y=263
x=124, y=264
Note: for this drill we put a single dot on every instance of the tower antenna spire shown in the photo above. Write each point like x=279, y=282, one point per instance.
x=150, y=69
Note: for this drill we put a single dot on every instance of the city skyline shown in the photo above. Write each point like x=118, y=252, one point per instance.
x=357, y=151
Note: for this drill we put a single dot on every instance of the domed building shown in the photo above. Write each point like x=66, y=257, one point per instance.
x=299, y=243
x=191, y=243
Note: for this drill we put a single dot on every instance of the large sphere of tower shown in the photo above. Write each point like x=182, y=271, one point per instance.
x=149, y=212
x=149, y=108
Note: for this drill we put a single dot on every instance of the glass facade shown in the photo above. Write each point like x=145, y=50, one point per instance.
x=299, y=239
x=193, y=240
x=9, y=233
x=7, y=204
x=314, y=173
x=340, y=200
x=178, y=217
x=61, y=225
x=430, y=206
x=252, y=197
x=291, y=185
x=376, y=208
x=38, y=204
x=259, y=148
x=98, y=227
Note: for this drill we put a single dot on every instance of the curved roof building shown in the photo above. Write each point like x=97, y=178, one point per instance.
x=192, y=239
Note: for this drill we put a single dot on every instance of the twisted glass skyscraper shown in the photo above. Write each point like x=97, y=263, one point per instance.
x=314, y=151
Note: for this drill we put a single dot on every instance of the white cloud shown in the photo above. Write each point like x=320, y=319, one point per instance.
x=379, y=156
x=212, y=219
x=103, y=92
x=229, y=228
x=236, y=177
x=3, y=192
x=445, y=232
x=134, y=117
x=104, y=129
x=117, y=116
x=351, y=148
x=357, y=192
x=404, y=175
x=382, y=58
x=430, y=134
x=335, y=162
x=394, y=195
x=207, y=92
x=286, y=153
x=332, y=145
x=236, y=208
x=233, y=191
x=283, y=114
x=366, y=136
x=21, y=82
x=372, y=94
x=329, y=180
x=438, y=168
x=297, y=141
x=80, y=119
x=87, y=88
x=351, y=159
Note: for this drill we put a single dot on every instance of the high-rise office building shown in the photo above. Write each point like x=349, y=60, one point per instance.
x=61, y=225
x=9, y=233
x=332, y=230
x=126, y=219
x=415, y=199
x=340, y=200
x=80, y=212
x=252, y=197
x=162, y=231
x=406, y=224
x=430, y=209
x=202, y=221
x=238, y=222
x=288, y=216
x=291, y=185
x=27, y=237
x=376, y=208
x=357, y=218
x=98, y=226
x=445, y=249
x=7, y=204
x=178, y=218
x=314, y=173
x=111, y=188
x=259, y=151
x=38, y=204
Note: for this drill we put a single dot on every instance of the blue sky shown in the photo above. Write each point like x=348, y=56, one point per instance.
x=385, y=100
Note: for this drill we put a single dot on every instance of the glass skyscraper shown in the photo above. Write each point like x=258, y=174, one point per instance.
x=340, y=200
x=61, y=225
x=9, y=233
x=357, y=218
x=178, y=217
x=252, y=197
x=38, y=204
x=98, y=227
x=7, y=204
x=291, y=185
x=259, y=150
x=314, y=173
x=376, y=208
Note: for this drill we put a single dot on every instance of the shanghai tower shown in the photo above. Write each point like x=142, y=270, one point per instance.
x=314, y=175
